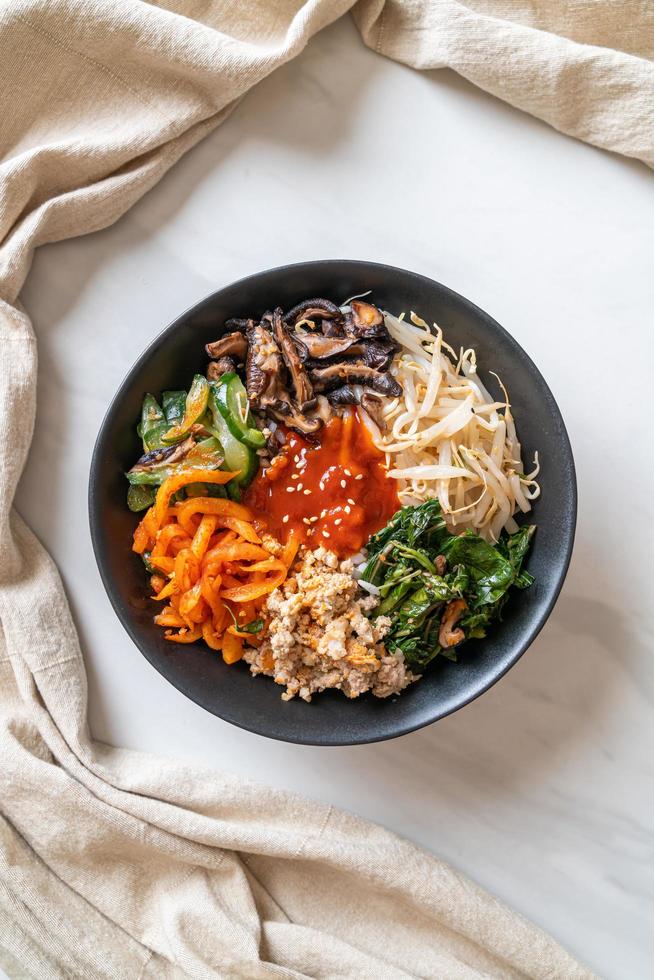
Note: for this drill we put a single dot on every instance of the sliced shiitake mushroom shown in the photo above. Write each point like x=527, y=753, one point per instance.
x=216, y=369
x=364, y=320
x=449, y=635
x=310, y=309
x=299, y=377
x=264, y=367
x=318, y=347
x=355, y=372
x=231, y=345
x=166, y=454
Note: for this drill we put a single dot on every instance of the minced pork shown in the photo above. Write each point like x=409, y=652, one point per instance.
x=320, y=634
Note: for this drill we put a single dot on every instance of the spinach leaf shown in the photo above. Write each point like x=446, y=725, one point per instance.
x=254, y=626
x=490, y=573
x=403, y=563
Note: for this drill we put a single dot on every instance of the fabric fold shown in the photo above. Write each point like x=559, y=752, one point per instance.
x=115, y=863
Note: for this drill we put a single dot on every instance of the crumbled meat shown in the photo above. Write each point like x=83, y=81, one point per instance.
x=320, y=636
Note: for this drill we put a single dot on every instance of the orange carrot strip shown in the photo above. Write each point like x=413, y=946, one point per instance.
x=210, y=636
x=290, y=551
x=269, y=565
x=157, y=582
x=185, y=635
x=190, y=600
x=199, y=613
x=163, y=563
x=245, y=593
x=178, y=544
x=241, y=527
x=145, y=532
x=186, y=509
x=168, y=590
x=236, y=551
x=179, y=480
x=209, y=587
x=232, y=648
x=203, y=534
x=169, y=619
x=141, y=537
x=187, y=570
x=165, y=536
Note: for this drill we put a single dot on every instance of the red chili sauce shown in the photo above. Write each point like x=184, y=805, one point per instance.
x=334, y=493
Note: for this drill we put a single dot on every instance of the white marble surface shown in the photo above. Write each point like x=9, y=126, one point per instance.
x=543, y=790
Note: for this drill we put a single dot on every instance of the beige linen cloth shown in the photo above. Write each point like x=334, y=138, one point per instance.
x=114, y=864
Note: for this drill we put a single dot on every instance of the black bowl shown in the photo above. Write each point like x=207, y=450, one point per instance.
x=255, y=703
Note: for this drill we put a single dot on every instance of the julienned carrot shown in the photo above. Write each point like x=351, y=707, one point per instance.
x=164, y=563
x=232, y=648
x=183, y=479
x=246, y=593
x=203, y=534
x=210, y=505
x=184, y=635
x=164, y=539
x=213, y=574
x=290, y=550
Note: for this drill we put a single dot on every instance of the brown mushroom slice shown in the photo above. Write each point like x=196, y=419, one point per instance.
x=165, y=456
x=355, y=372
x=216, y=369
x=231, y=345
x=299, y=377
x=318, y=347
x=345, y=395
x=265, y=381
x=364, y=320
x=373, y=405
x=313, y=309
x=264, y=367
x=239, y=324
x=290, y=415
x=448, y=635
x=376, y=353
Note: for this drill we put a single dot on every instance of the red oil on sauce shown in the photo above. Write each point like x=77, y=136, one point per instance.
x=334, y=493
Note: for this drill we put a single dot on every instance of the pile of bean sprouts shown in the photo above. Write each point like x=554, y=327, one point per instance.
x=446, y=437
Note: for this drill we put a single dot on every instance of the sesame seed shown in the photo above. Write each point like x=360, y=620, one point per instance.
x=350, y=501
x=309, y=532
x=299, y=486
x=285, y=519
x=359, y=476
x=325, y=534
x=343, y=484
x=347, y=509
x=290, y=489
x=321, y=485
x=313, y=519
x=322, y=513
x=295, y=476
x=306, y=520
x=347, y=472
x=337, y=521
x=306, y=492
x=296, y=459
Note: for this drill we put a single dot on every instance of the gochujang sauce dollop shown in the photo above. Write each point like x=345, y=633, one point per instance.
x=334, y=492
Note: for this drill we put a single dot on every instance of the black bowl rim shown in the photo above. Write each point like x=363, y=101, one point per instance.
x=363, y=264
